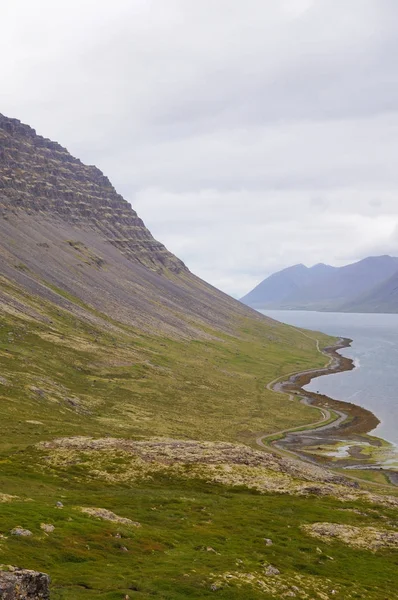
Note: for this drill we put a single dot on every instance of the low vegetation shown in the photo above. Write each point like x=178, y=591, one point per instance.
x=132, y=395
x=98, y=464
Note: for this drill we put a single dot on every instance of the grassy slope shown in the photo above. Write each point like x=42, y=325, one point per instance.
x=167, y=557
x=139, y=385
x=68, y=378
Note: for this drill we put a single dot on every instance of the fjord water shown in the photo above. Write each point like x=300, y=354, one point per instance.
x=373, y=384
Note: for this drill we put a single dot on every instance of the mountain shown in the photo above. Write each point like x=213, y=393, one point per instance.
x=383, y=298
x=85, y=280
x=285, y=284
x=40, y=177
x=64, y=231
x=133, y=398
x=323, y=287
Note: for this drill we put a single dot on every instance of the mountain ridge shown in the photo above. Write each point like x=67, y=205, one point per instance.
x=63, y=225
x=382, y=298
x=132, y=398
x=65, y=281
x=45, y=187
x=324, y=287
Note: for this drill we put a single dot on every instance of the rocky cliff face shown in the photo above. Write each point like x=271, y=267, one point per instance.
x=23, y=584
x=68, y=237
x=38, y=175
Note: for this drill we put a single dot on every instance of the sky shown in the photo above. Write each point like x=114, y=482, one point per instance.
x=249, y=135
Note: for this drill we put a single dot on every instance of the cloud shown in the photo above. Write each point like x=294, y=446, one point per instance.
x=249, y=136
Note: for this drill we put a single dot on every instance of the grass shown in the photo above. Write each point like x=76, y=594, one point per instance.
x=371, y=475
x=61, y=376
x=168, y=556
x=143, y=385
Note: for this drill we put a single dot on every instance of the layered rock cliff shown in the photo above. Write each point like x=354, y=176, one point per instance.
x=67, y=236
x=39, y=175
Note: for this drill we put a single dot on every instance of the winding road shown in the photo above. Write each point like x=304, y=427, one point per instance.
x=276, y=385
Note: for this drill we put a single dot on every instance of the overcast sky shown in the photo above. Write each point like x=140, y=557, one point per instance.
x=248, y=134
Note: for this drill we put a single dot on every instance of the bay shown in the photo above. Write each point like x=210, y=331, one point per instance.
x=373, y=384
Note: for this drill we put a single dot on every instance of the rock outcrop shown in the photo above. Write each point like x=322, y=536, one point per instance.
x=369, y=538
x=39, y=175
x=69, y=238
x=22, y=584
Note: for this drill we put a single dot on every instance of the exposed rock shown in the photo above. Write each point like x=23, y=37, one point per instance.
x=39, y=175
x=38, y=391
x=369, y=538
x=59, y=504
x=21, y=584
x=7, y=498
x=107, y=515
x=20, y=531
x=65, y=228
x=47, y=528
x=220, y=462
x=170, y=451
x=268, y=541
x=271, y=571
x=285, y=585
x=215, y=586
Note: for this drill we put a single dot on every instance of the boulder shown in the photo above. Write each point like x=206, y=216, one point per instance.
x=20, y=531
x=271, y=571
x=22, y=584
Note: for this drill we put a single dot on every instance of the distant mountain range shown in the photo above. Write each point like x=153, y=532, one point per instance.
x=370, y=285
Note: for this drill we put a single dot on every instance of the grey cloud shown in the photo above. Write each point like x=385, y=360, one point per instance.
x=247, y=240
x=249, y=136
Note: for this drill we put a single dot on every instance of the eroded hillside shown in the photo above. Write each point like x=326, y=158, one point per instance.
x=131, y=396
x=65, y=230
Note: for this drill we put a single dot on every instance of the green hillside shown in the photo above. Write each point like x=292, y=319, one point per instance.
x=132, y=394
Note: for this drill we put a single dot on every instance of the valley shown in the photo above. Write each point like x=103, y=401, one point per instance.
x=132, y=397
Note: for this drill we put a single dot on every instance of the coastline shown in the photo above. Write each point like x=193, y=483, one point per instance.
x=358, y=420
x=341, y=439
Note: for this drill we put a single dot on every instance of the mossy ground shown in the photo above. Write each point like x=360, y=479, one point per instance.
x=61, y=376
x=192, y=533
x=77, y=378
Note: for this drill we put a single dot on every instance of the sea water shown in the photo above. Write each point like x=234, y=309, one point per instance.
x=373, y=384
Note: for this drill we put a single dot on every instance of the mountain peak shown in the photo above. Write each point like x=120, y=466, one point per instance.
x=383, y=258
x=69, y=239
x=299, y=268
x=322, y=287
x=38, y=175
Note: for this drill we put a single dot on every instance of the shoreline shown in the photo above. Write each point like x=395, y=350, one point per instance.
x=344, y=424
x=359, y=420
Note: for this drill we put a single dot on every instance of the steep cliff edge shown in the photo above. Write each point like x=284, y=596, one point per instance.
x=69, y=237
x=39, y=175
